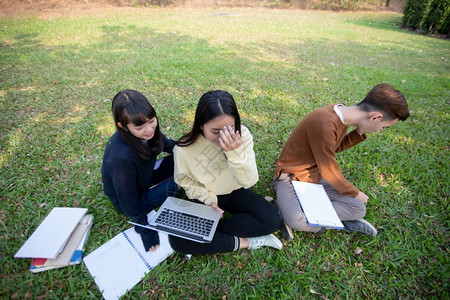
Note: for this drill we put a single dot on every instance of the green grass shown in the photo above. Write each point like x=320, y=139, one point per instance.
x=57, y=79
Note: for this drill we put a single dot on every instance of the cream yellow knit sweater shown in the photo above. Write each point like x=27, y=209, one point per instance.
x=205, y=171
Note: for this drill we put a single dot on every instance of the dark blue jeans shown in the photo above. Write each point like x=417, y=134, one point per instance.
x=156, y=195
x=163, y=185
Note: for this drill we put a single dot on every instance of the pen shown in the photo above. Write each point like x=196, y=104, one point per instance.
x=140, y=225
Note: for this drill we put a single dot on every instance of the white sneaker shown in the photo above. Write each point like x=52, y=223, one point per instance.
x=265, y=240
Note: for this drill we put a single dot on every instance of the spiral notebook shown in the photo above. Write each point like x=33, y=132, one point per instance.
x=122, y=262
x=316, y=205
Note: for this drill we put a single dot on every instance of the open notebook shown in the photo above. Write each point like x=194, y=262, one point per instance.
x=316, y=205
x=122, y=262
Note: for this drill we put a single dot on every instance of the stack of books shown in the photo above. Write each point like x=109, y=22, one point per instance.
x=59, y=240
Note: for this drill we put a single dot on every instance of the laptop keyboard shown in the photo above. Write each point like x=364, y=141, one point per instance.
x=186, y=222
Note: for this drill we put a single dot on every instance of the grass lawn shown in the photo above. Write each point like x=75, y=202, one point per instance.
x=57, y=79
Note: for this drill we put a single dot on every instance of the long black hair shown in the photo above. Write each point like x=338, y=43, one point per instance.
x=130, y=106
x=211, y=105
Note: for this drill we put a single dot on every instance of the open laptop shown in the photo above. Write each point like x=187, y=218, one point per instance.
x=185, y=219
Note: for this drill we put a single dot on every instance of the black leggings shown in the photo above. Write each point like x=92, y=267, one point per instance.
x=251, y=216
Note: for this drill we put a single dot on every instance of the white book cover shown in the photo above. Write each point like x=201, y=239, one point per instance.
x=316, y=205
x=71, y=254
x=122, y=262
x=51, y=236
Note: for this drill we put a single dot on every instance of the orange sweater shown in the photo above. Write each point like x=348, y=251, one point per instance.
x=310, y=153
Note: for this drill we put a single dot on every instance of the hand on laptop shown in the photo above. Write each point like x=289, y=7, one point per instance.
x=217, y=208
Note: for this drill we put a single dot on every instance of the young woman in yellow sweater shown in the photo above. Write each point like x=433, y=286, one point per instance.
x=215, y=164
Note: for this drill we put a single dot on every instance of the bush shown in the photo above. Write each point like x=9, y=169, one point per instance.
x=431, y=16
x=437, y=17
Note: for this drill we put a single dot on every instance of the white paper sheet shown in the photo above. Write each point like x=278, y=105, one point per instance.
x=316, y=205
x=49, y=239
x=119, y=264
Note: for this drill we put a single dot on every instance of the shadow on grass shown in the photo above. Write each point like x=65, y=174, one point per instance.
x=57, y=101
x=389, y=22
x=68, y=104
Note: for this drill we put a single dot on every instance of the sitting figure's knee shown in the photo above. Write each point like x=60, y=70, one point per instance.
x=299, y=223
x=362, y=211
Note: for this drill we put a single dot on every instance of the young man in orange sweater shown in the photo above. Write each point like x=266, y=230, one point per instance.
x=310, y=156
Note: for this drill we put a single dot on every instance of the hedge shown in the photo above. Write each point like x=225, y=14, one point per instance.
x=431, y=16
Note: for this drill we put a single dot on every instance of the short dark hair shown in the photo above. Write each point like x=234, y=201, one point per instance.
x=211, y=105
x=130, y=106
x=385, y=98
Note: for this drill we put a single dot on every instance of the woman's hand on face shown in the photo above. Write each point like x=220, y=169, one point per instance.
x=217, y=208
x=229, y=140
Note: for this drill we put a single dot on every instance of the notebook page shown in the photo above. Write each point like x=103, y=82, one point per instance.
x=115, y=267
x=152, y=258
x=316, y=205
x=121, y=263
